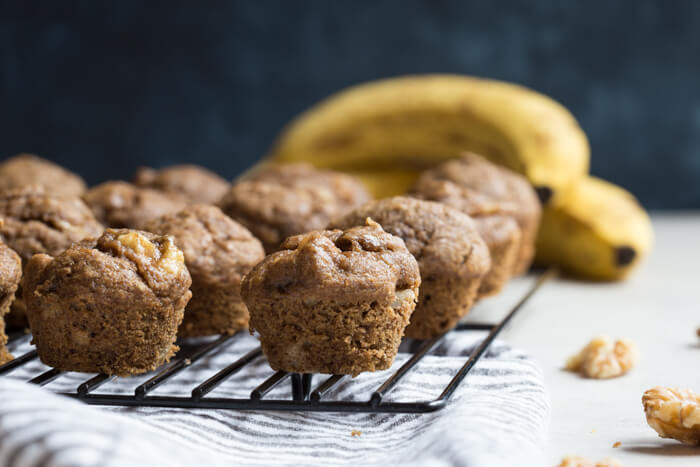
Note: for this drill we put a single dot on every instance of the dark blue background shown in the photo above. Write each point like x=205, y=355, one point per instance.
x=104, y=86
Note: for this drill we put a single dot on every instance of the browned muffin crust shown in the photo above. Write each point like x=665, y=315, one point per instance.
x=287, y=200
x=494, y=220
x=37, y=222
x=333, y=301
x=451, y=256
x=497, y=184
x=111, y=305
x=192, y=182
x=123, y=205
x=10, y=275
x=218, y=252
x=28, y=169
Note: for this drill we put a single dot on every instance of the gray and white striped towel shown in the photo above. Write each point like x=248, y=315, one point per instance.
x=497, y=417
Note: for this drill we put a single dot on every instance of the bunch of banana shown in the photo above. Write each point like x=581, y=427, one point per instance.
x=412, y=123
x=387, y=132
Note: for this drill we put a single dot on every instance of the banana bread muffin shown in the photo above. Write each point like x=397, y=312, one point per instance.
x=494, y=222
x=218, y=252
x=27, y=169
x=37, y=222
x=111, y=305
x=451, y=256
x=192, y=182
x=333, y=301
x=10, y=275
x=287, y=200
x=123, y=205
x=500, y=185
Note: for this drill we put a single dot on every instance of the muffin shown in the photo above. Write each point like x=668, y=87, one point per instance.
x=192, y=182
x=27, y=169
x=10, y=275
x=496, y=184
x=37, y=222
x=111, y=305
x=287, y=200
x=493, y=219
x=218, y=252
x=452, y=257
x=123, y=205
x=333, y=301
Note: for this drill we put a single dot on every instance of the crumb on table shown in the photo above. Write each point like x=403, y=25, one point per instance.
x=356, y=433
x=577, y=461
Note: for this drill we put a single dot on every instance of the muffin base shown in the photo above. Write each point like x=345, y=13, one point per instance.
x=5, y=301
x=329, y=337
x=441, y=304
x=213, y=311
x=108, y=361
x=526, y=249
x=503, y=238
x=16, y=318
x=5, y=355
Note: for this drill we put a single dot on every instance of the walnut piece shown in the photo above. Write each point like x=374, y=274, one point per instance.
x=603, y=358
x=673, y=413
x=576, y=461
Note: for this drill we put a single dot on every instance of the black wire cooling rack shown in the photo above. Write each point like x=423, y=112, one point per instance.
x=304, y=397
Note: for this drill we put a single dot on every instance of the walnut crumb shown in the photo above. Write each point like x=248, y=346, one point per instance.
x=577, y=461
x=188, y=361
x=603, y=358
x=356, y=433
x=617, y=444
x=673, y=413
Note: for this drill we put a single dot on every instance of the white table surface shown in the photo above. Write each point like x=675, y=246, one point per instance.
x=658, y=307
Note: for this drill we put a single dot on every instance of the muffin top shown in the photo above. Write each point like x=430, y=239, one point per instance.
x=477, y=187
x=123, y=205
x=192, y=182
x=27, y=169
x=361, y=264
x=37, y=222
x=217, y=249
x=464, y=199
x=119, y=267
x=443, y=240
x=290, y=199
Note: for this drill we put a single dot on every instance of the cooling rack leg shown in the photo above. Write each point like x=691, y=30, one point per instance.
x=297, y=389
x=306, y=381
x=301, y=386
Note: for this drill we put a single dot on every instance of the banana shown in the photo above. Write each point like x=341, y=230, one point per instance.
x=387, y=183
x=594, y=230
x=412, y=123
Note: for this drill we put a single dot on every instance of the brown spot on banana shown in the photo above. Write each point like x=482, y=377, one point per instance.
x=624, y=255
x=544, y=193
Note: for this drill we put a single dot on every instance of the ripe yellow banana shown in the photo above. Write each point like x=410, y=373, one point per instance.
x=594, y=230
x=412, y=123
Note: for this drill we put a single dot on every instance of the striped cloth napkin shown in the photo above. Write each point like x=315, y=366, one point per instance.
x=497, y=417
